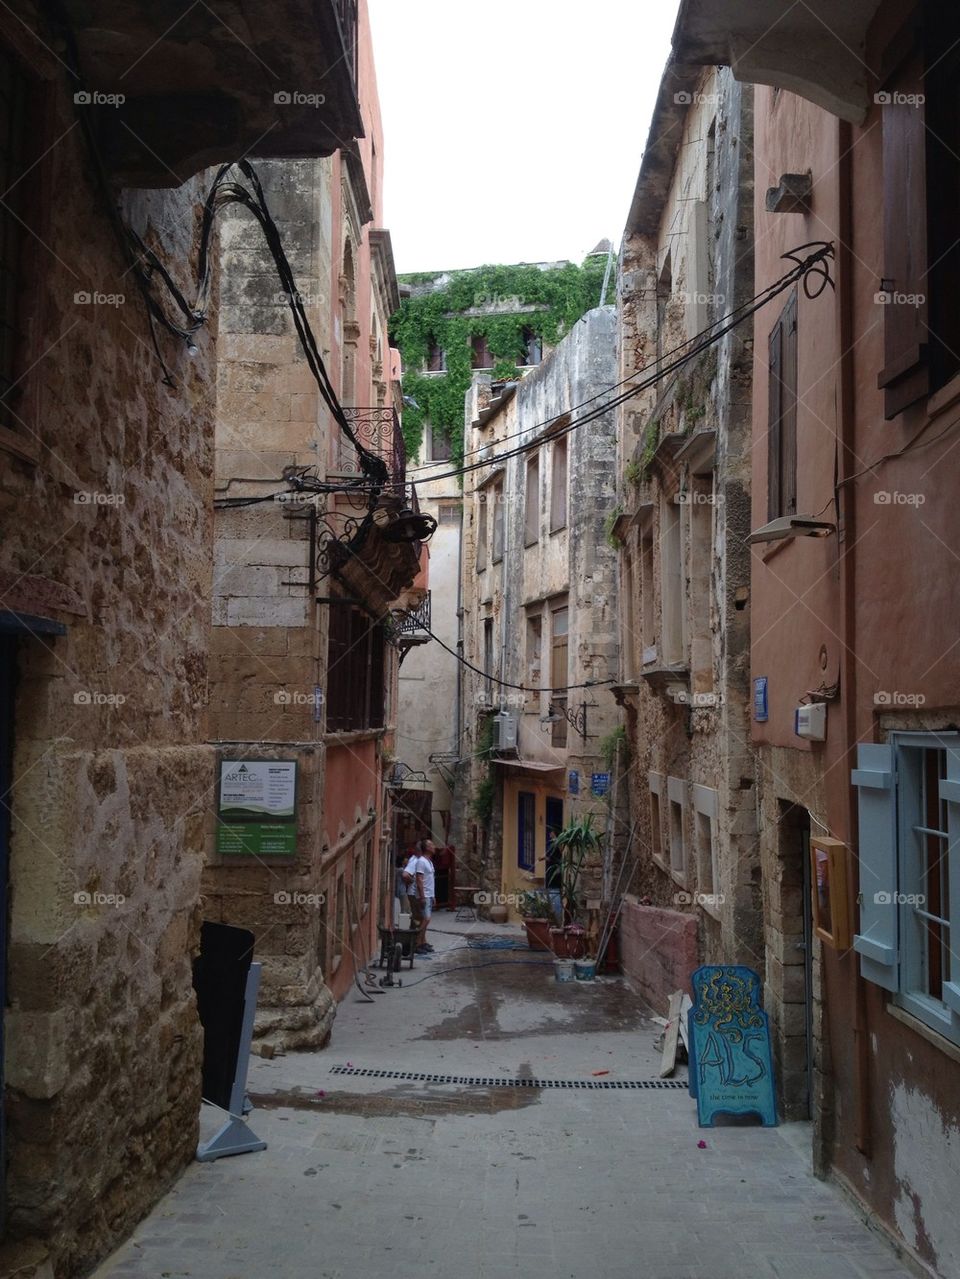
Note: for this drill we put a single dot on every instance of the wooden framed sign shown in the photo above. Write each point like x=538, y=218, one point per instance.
x=828, y=886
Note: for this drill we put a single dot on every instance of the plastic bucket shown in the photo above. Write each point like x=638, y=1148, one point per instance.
x=563, y=969
x=584, y=969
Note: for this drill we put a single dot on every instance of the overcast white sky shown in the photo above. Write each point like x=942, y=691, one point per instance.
x=513, y=129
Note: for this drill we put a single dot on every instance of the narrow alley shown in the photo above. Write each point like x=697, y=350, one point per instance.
x=374, y=1165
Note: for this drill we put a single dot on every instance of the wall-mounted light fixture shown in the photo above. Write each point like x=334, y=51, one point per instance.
x=787, y=526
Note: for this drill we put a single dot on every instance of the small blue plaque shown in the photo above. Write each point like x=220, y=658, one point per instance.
x=599, y=784
x=760, y=699
x=574, y=782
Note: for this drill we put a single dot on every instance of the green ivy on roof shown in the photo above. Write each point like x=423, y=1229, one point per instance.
x=553, y=298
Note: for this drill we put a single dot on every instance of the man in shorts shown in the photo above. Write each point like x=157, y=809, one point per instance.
x=421, y=887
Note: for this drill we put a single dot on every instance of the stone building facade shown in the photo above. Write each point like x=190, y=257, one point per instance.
x=684, y=484
x=302, y=663
x=539, y=607
x=106, y=491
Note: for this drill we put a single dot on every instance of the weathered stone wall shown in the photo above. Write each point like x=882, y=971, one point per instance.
x=684, y=459
x=575, y=563
x=109, y=531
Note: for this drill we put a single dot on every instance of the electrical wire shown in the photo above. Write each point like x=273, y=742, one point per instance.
x=472, y=968
x=813, y=265
x=523, y=688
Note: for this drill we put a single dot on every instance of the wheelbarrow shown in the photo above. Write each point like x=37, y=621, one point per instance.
x=396, y=944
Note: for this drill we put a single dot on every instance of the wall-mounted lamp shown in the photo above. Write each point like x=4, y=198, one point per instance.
x=788, y=526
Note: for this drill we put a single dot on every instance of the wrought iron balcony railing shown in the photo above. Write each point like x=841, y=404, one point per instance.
x=417, y=619
x=377, y=429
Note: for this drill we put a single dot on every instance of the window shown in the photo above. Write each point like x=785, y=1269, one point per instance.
x=648, y=636
x=534, y=644
x=481, y=531
x=558, y=484
x=532, y=348
x=496, y=496
x=436, y=357
x=655, y=782
x=14, y=88
x=480, y=354
x=526, y=830
x=440, y=445
x=559, y=675
x=700, y=509
x=449, y=513
x=909, y=856
x=705, y=807
x=355, y=671
x=488, y=658
x=782, y=415
x=671, y=583
x=531, y=509
x=676, y=794
x=921, y=188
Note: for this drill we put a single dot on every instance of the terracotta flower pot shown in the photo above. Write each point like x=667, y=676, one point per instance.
x=538, y=933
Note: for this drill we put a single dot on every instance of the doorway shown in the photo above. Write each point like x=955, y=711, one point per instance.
x=792, y=980
x=8, y=667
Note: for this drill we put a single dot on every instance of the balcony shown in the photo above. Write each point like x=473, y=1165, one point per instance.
x=816, y=49
x=205, y=84
x=378, y=430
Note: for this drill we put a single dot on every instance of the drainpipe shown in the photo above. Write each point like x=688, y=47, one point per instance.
x=848, y=594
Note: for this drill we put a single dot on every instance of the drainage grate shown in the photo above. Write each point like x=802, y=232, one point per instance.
x=480, y=1081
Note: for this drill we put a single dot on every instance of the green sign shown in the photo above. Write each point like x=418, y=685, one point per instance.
x=257, y=808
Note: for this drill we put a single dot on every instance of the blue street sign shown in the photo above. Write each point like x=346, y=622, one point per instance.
x=760, y=699
x=599, y=783
x=574, y=782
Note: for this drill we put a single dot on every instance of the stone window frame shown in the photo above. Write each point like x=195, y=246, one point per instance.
x=678, y=841
x=531, y=500
x=705, y=803
x=655, y=783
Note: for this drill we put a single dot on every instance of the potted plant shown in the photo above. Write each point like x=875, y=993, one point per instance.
x=575, y=845
x=537, y=916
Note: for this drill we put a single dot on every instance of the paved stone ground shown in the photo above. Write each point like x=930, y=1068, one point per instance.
x=391, y=1177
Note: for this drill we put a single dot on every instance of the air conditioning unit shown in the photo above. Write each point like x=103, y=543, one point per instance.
x=505, y=726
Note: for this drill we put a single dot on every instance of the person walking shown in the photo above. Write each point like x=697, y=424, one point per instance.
x=421, y=886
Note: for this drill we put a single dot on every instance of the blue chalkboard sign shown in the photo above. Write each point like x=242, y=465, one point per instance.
x=731, y=1066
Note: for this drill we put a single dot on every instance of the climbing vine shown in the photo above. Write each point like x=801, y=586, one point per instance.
x=552, y=300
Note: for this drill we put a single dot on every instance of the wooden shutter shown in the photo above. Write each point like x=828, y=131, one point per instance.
x=377, y=677
x=950, y=793
x=782, y=415
x=878, y=939
x=338, y=643
x=905, y=377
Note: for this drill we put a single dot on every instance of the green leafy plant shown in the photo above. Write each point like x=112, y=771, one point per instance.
x=534, y=905
x=483, y=795
x=576, y=844
x=633, y=473
x=609, y=744
x=609, y=523
x=543, y=302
